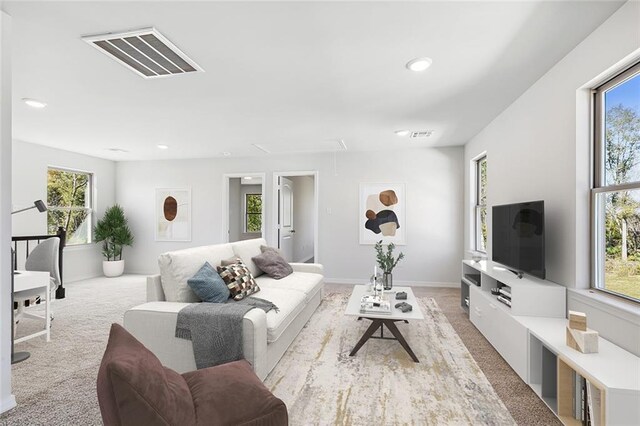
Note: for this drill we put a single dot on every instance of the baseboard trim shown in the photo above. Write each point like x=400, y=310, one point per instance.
x=402, y=283
x=83, y=278
x=7, y=404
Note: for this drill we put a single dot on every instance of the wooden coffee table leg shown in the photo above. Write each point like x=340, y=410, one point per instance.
x=396, y=333
x=367, y=334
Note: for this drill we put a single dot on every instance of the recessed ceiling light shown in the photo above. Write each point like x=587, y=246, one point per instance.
x=163, y=146
x=117, y=150
x=248, y=178
x=419, y=64
x=34, y=103
x=226, y=154
x=402, y=132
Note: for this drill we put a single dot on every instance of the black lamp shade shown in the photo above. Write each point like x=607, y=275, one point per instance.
x=40, y=206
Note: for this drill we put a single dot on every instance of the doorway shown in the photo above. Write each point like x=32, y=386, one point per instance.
x=296, y=213
x=244, y=206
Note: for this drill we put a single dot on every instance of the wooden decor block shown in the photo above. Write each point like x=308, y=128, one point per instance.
x=578, y=320
x=583, y=341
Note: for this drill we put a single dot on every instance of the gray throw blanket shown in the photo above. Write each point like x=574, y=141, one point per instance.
x=215, y=329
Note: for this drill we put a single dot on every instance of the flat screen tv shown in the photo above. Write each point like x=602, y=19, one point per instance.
x=518, y=237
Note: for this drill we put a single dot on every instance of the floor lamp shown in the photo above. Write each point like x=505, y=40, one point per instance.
x=17, y=357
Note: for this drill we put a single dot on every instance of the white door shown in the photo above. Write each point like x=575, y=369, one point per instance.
x=286, y=231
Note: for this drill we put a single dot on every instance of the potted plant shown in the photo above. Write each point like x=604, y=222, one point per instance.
x=114, y=233
x=387, y=262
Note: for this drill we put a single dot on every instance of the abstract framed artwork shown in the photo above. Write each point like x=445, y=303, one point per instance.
x=173, y=214
x=382, y=213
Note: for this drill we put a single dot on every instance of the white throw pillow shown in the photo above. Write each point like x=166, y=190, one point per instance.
x=178, y=266
x=247, y=249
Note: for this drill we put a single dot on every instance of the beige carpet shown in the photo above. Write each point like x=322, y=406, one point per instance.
x=57, y=385
x=322, y=385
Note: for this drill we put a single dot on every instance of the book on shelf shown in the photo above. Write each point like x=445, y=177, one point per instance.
x=506, y=292
x=594, y=404
x=586, y=401
x=504, y=300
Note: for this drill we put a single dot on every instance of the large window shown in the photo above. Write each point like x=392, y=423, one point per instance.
x=69, y=204
x=253, y=213
x=481, y=204
x=616, y=192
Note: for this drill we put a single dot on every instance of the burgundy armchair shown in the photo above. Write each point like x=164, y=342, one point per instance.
x=135, y=389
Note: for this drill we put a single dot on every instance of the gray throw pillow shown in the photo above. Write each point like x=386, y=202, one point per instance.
x=208, y=285
x=269, y=248
x=273, y=264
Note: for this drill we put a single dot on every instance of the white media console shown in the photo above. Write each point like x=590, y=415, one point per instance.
x=529, y=335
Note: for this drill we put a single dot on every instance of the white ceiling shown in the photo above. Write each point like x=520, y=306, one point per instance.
x=293, y=76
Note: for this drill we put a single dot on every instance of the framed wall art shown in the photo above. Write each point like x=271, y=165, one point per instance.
x=382, y=213
x=173, y=214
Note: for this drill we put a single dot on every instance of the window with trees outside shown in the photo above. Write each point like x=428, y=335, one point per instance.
x=69, y=204
x=253, y=213
x=616, y=192
x=481, y=204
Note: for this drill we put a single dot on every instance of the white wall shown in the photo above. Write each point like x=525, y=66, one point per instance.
x=30, y=164
x=303, y=205
x=433, y=180
x=235, y=210
x=7, y=400
x=538, y=148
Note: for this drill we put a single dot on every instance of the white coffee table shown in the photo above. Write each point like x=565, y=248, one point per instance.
x=388, y=320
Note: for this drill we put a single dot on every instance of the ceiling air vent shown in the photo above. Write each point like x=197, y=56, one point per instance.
x=421, y=134
x=146, y=52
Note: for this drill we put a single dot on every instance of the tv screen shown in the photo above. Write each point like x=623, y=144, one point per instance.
x=518, y=237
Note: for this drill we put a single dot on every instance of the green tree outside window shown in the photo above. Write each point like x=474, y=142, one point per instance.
x=253, y=209
x=69, y=204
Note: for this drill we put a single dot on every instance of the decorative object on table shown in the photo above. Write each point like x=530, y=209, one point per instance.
x=173, y=214
x=401, y=295
x=579, y=337
x=476, y=256
x=404, y=307
x=387, y=262
x=374, y=304
x=382, y=213
x=114, y=233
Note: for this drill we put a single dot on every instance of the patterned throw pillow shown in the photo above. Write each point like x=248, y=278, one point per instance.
x=239, y=280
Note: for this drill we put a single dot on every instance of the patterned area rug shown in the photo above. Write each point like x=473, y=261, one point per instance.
x=321, y=384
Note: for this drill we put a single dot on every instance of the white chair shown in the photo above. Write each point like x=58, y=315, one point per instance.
x=44, y=257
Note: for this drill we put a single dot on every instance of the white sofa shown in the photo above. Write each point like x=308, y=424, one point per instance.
x=266, y=336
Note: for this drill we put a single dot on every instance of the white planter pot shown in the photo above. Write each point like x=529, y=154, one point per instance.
x=112, y=268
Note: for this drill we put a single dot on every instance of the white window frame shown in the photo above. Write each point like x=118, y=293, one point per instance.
x=246, y=214
x=600, y=188
x=477, y=208
x=89, y=204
